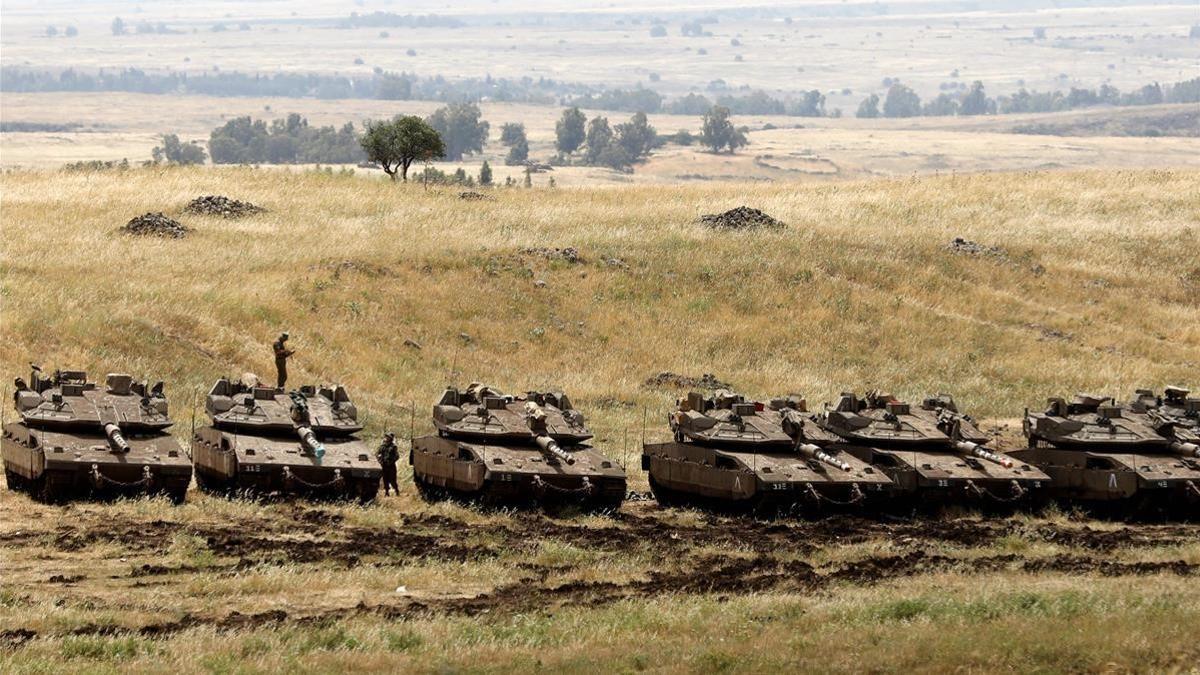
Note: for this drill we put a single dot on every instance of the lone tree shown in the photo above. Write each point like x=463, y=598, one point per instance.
x=118, y=26
x=395, y=145
x=174, y=151
x=460, y=128
x=485, y=173
x=718, y=131
x=570, y=131
x=513, y=136
x=901, y=101
x=869, y=108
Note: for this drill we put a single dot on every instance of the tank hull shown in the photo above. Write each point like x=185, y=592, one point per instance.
x=517, y=473
x=266, y=466
x=933, y=477
x=757, y=481
x=56, y=466
x=1123, y=483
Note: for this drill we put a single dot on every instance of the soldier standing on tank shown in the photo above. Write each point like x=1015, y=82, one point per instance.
x=282, y=354
x=388, y=454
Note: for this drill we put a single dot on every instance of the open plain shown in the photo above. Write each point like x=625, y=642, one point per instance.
x=397, y=290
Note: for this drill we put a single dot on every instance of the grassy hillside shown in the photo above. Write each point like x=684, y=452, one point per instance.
x=1096, y=288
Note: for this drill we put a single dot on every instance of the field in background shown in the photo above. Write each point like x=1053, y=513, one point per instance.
x=1095, y=288
x=117, y=126
x=828, y=46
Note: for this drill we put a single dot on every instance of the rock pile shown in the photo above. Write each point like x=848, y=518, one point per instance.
x=472, y=196
x=218, y=205
x=675, y=380
x=960, y=245
x=570, y=254
x=156, y=225
x=740, y=218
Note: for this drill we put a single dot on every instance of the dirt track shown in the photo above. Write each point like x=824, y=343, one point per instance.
x=708, y=555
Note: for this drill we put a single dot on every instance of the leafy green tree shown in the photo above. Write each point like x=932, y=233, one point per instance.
x=599, y=137
x=394, y=88
x=901, y=101
x=396, y=144
x=485, y=173
x=636, y=137
x=944, y=105
x=570, y=131
x=976, y=102
x=869, y=108
x=512, y=135
x=175, y=151
x=460, y=128
x=118, y=26
x=718, y=133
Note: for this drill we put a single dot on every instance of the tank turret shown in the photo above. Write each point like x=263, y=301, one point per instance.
x=499, y=447
x=1131, y=458
x=267, y=441
x=75, y=438
x=734, y=452
x=932, y=451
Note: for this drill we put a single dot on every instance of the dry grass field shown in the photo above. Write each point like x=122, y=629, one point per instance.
x=1095, y=286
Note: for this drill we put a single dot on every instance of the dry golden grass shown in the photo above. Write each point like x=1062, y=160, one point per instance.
x=858, y=291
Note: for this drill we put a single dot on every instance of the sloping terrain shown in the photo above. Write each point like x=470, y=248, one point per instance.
x=1072, y=280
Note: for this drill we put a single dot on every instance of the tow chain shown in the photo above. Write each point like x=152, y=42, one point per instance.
x=99, y=479
x=636, y=496
x=542, y=486
x=856, y=495
x=289, y=477
x=1017, y=491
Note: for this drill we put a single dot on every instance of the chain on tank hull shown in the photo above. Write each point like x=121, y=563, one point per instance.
x=515, y=473
x=942, y=478
x=743, y=480
x=264, y=466
x=1120, y=483
x=56, y=466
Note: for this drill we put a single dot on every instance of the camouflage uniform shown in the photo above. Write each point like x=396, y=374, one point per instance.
x=282, y=353
x=388, y=454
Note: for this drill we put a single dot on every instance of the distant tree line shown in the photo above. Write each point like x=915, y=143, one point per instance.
x=392, y=20
x=899, y=101
x=284, y=141
x=380, y=85
x=599, y=143
x=902, y=101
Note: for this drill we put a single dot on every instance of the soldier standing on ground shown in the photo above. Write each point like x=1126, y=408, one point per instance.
x=282, y=353
x=388, y=454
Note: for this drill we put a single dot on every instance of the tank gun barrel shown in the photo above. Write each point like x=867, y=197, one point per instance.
x=813, y=452
x=551, y=447
x=309, y=439
x=976, y=450
x=1186, y=449
x=115, y=438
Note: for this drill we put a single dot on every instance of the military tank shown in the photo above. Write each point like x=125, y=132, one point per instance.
x=75, y=439
x=933, y=453
x=1127, y=460
x=759, y=456
x=265, y=442
x=502, y=448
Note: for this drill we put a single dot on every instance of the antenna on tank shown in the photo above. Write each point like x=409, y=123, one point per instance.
x=643, y=426
x=192, y=437
x=412, y=421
